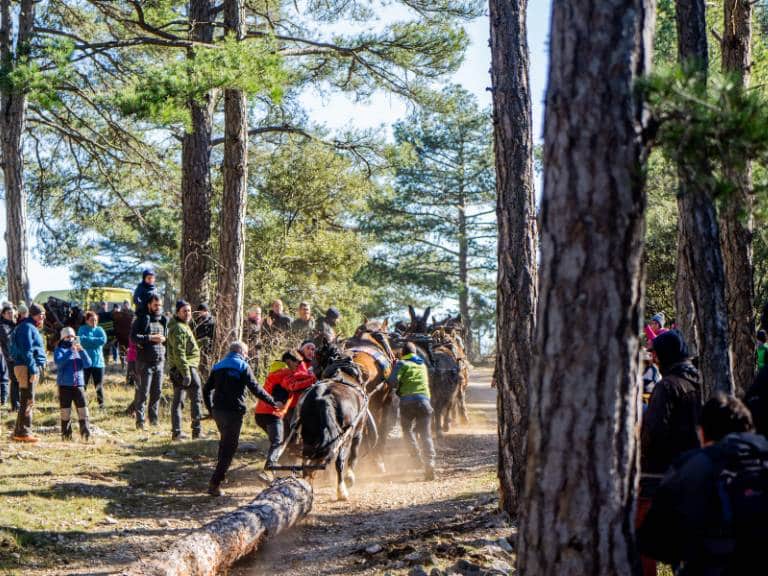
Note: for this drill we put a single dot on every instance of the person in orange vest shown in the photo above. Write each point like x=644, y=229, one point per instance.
x=285, y=381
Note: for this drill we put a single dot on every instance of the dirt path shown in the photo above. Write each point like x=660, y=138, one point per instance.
x=416, y=524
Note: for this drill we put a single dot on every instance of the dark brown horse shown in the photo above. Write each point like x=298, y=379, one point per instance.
x=334, y=416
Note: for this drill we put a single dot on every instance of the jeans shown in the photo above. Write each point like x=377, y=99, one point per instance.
x=416, y=420
x=273, y=426
x=149, y=386
x=97, y=375
x=27, y=384
x=229, y=424
x=195, y=393
x=68, y=395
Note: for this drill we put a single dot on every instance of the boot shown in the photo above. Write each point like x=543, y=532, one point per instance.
x=85, y=431
x=66, y=430
x=214, y=490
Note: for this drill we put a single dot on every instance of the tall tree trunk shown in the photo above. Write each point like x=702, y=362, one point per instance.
x=13, y=109
x=229, y=302
x=196, y=174
x=517, y=239
x=469, y=340
x=736, y=217
x=699, y=231
x=583, y=465
x=685, y=316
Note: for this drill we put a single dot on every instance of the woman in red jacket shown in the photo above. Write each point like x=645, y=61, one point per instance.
x=285, y=385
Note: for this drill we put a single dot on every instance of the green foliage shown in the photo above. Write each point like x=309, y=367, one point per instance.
x=162, y=93
x=302, y=238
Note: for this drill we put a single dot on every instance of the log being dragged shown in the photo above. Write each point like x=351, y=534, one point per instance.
x=217, y=545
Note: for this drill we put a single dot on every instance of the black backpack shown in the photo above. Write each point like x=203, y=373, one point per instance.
x=742, y=486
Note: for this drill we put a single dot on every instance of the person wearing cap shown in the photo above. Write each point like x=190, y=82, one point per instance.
x=655, y=327
x=7, y=324
x=184, y=362
x=144, y=290
x=285, y=381
x=149, y=332
x=28, y=354
x=72, y=360
x=304, y=323
x=327, y=324
x=224, y=397
x=93, y=339
x=205, y=330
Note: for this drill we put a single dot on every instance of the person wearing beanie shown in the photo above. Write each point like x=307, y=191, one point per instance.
x=184, y=362
x=7, y=324
x=144, y=290
x=22, y=312
x=71, y=363
x=327, y=324
x=93, y=338
x=28, y=355
x=655, y=327
x=149, y=332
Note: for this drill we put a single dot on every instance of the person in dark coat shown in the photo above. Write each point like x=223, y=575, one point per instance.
x=674, y=409
x=277, y=321
x=144, y=290
x=757, y=401
x=224, y=397
x=7, y=324
x=149, y=332
x=326, y=325
x=205, y=330
x=29, y=359
x=687, y=524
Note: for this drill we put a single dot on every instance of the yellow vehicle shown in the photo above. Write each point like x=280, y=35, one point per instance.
x=89, y=297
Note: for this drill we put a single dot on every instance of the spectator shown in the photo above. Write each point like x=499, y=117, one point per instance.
x=411, y=379
x=7, y=324
x=22, y=313
x=184, y=362
x=651, y=376
x=71, y=362
x=756, y=399
x=283, y=384
x=149, y=333
x=708, y=515
x=93, y=339
x=224, y=396
x=278, y=321
x=144, y=290
x=762, y=349
x=655, y=327
x=253, y=337
x=4, y=372
x=304, y=324
x=205, y=329
x=28, y=354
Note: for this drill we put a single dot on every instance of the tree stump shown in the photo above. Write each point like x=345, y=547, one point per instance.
x=217, y=545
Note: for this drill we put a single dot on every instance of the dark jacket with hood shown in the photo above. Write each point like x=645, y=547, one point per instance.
x=226, y=386
x=686, y=525
x=674, y=410
x=144, y=326
x=141, y=295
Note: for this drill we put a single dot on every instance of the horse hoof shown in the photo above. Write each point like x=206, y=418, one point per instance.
x=382, y=468
x=350, y=479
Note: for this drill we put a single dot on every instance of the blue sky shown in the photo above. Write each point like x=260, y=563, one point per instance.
x=383, y=110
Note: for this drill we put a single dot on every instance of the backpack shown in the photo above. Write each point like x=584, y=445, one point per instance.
x=742, y=487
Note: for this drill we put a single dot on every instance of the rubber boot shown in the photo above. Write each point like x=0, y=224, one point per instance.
x=66, y=430
x=85, y=432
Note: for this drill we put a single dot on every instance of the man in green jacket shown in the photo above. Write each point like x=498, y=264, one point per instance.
x=184, y=362
x=411, y=378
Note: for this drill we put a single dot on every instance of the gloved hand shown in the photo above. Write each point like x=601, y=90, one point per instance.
x=186, y=382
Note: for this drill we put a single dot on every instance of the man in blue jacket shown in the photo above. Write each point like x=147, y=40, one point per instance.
x=28, y=353
x=224, y=396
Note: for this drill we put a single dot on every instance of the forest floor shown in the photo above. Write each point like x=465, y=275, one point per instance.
x=92, y=508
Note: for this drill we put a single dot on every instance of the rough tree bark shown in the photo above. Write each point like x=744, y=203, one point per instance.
x=517, y=239
x=583, y=465
x=469, y=340
x=196, y=191
x=736, y=220
x=216, y=546
x=229, y=301
x=699, y=231
x=14, y=50
x=685, y=313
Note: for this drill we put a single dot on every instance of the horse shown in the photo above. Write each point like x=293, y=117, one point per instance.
x=445, y=383
x=370, y=349
x=418, y=323
x=451, y=331
x=58, y=314
x=334, y=416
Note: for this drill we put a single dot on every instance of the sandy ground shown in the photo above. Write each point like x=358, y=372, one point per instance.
x=413, y=521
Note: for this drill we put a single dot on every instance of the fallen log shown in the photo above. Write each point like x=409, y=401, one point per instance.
x=213, y=548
